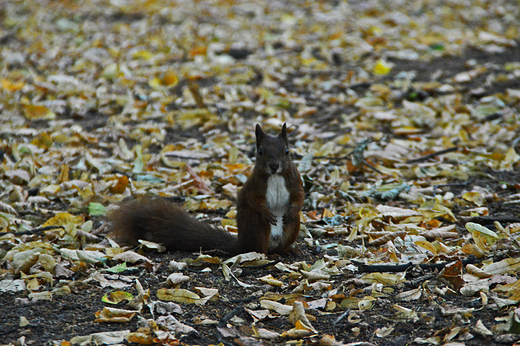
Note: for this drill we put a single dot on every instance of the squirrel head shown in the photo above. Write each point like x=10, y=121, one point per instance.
x=272, y=153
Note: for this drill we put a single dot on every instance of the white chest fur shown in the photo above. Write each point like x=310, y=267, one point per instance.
x=277, y=197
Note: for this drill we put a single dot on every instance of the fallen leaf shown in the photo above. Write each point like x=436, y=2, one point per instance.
x=452, y=275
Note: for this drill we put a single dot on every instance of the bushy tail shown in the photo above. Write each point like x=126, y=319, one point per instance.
x=160, y=221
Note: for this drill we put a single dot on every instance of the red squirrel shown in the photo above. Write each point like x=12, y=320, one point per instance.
x=268, y=210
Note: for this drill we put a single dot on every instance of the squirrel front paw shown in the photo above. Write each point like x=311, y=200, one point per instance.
x=270, y=217
x=290, y=216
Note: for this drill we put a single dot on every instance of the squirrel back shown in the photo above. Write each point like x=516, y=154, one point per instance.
x=268, y=208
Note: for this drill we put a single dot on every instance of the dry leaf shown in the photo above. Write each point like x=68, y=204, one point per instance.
x=282, y=309
x=114, y=315
x=452, y=275
x=411, y=295
x=176, y=278
x=508, y=265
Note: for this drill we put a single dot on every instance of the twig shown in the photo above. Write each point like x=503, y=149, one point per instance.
x=377, y=268
x=346, y=157
x=230, y=315
x=436, y=187
x=33, y=231
x=358, y=154
x=262, y=266
x=342, y=316
x=415, y=282
x=209, y=158
x=486, y=220
x=8, y=331
x=371, y=167
x=194, y=89
x=432, y=155
x=241, y=301
x=332, y=158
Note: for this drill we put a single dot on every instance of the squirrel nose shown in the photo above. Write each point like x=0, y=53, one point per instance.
x=274, y=166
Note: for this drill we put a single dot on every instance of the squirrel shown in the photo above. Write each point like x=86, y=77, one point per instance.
x=268, y=210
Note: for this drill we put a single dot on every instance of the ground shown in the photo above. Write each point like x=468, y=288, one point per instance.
x=106, y=101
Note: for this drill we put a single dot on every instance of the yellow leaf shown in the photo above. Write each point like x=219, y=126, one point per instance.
x=327, y=213
x=350, y=303
x=178, y=295
x=207, y=259
x=198, y=51
x=296, y=333
x=299, y=331
x=407, y=130
x=34, y=112
x=268, y=279
x=47, y=262
x=366, y=303
x=298, y=315
x=382, y=67
x=11, y=87
x=472, y=249
x=63, y=219
x=50, y=189
x=169, y=79
x=302, y=326
x=384, y=278
x=484, y=238
x=111, y=71
x=114, y=315
x=62, y=291
x=512, y=290
x=117, y=297
x=142, y=54
x=426, y=245
x=155, y=83
x=510, y=159
x=474, y=197
x=32, y=284
x=140, y=338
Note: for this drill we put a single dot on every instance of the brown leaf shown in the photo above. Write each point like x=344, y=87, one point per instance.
x=452, y=275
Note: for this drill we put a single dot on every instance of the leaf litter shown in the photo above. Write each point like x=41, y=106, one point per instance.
x=404, y=124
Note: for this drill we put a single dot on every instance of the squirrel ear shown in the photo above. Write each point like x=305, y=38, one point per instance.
x=259, y=133
x=283, y=134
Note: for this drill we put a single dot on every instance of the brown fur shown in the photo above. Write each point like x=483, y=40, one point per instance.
x=161, y=221
x=254, y=228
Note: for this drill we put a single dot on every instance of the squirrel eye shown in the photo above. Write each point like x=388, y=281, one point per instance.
x=286, y=151
x=259, y=151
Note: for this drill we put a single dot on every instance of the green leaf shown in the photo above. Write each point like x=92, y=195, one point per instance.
x=117, y=297
x=96, y=209
x=117, y=268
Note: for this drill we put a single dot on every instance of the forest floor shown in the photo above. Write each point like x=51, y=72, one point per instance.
x=102, y=101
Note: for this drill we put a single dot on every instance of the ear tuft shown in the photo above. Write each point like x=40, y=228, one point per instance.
x=283, y=134
x=259, y=133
